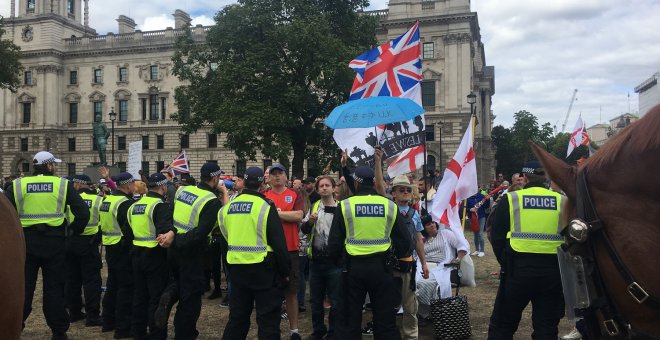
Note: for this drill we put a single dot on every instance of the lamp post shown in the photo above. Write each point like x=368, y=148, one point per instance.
x=472, y=99
x=440, y=124
x=113, y=117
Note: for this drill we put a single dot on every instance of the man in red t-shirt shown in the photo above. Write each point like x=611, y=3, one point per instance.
x=290, y=207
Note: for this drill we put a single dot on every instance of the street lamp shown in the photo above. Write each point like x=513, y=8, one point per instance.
x=471, y=99
x=113, y=117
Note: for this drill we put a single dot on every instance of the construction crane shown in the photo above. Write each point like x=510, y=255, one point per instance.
x=570, y=106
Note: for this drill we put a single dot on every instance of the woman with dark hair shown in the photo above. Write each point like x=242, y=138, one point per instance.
x=440, y=247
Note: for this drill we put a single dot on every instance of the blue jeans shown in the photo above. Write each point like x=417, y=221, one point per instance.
x=303, y=265
x=478, y=237
x=324, y=279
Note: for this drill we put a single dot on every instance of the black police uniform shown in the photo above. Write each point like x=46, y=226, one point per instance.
x=524, y=277
x=83, y=269
x=118, y=297
x=150, y=276
x=367, y=274
x=259, y=284
x=45, y=249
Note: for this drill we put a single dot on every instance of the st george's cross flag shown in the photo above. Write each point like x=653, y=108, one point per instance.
x=578, y=137
x=393, y=69
x=408, y=161
x=179, y=165
x=458, y=183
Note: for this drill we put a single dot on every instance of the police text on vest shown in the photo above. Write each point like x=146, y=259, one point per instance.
x=539, y=202
x=40, y=187
x=139, y=209
x=369, y=210
x=240, y=208
x=187, y=198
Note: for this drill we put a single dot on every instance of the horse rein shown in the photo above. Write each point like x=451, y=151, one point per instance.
x=579, y=231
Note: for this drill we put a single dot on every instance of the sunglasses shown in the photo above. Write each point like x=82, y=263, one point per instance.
x=408, y=190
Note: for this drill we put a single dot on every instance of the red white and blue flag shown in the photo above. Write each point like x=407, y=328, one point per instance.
x=393, y=69
x=179, y=165
x=578, y=137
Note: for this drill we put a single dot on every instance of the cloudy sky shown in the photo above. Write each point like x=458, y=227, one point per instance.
x=541, y=50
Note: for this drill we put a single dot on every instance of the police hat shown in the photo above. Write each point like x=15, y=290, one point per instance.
x=533, y=167
x=44, y=157
x=188, y=180
x=211, y=170
x=123, y=178
x=364, y=175
x=157, y=179
x=82, y=179
x=254, y=173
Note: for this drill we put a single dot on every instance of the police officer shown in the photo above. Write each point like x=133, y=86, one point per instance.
x=148, y=218
x=364, y=228
x=83, y=260
x=195, y=215
x=525, y=237
x=116, y=236
x=258, y=260
x=40, y=201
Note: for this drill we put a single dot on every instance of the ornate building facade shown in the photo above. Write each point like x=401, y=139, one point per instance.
x=71, y=74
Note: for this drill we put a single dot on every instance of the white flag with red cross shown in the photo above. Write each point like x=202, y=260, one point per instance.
x=408, y=161
x=578, y=137
x=458, y=183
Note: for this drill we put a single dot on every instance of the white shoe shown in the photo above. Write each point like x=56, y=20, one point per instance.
x=573, y=335
x=481, y=254
x=474, y=253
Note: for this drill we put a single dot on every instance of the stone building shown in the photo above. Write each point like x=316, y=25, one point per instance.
x=71, y=74
x=649, y=94
x=454, y=65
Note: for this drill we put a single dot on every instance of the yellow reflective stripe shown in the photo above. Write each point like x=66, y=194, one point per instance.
x=390, y=219
x=560, y=227
x=18, y=193
x=348, y=213
x=515, y=202
x=115, y=223
x=221, y=222
x=60, y=194
x=260, y=226
x=95, y=220
x=195, y=209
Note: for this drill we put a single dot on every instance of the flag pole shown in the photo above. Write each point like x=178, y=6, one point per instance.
x=472, y=121
x=424, y=171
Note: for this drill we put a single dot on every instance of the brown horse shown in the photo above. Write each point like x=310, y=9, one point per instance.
x=621, y=181
x=12, y=267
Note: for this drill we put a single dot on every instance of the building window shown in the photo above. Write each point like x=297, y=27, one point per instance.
x=145, y=168
x=153, y=107
x=430, y=162
x=27, y=113
x=121, y=166
x=69, y=7
x=428, y=52
x=123, y=110
x=160, y=142
x=24, y=144
x=25, y=167
x=240, y=168
x=98, y=110
x=143, y=108
x=73, y=113
x=27, y=78
x=73, y=77
x=71, y=169
x=428, y=4
x=121, y=143
x=213, y=140
x=98, y=76
x=123, y=74
x=31, y=4
x=428, y=93
x=163, y=107
x=430, y=133
x=267, y=163
x=145, y=142
x=160, y=165
x=72, y=144
x=185, y=141
x=153, y=72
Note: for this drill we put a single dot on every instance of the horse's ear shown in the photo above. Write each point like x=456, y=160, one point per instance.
x=557, y=170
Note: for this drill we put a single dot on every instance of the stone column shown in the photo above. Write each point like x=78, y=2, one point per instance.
x=13, y=9
x=86, y=14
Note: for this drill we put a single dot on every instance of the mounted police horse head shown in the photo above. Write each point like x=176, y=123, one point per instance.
x=611, y=260
x=12, y=267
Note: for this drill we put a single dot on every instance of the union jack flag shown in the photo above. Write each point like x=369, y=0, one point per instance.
x=389, y=70
x=179, y=165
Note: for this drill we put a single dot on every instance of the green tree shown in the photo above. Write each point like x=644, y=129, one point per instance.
x=270, y=72
x=10, y=65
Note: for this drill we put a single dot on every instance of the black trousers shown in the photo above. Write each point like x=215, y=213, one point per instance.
x=83, y=269
x=267, y=302
x=213, y=259
x=117, y=301
x=150, y=277
x=189, y=279
x=47, y=253
x=519, y=286
x=367, y=275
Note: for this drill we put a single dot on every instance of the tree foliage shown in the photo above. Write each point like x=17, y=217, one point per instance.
x=10, y=66
x=270, y=72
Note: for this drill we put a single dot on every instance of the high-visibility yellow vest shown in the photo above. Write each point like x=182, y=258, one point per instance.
x=40, y=200
x=535, y=220
x=369, y=221
x=243, y=223
x=94, y=204
x=188, y=204
x=110, y=228
x=141, y=219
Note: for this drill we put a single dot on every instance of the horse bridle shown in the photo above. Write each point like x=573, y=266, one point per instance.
x=588, y=226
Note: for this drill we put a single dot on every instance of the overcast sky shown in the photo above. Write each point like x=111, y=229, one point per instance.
x=541, y=50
